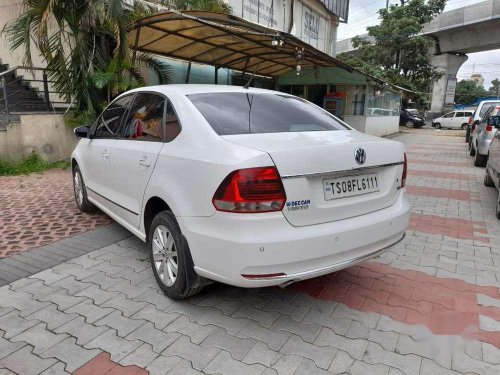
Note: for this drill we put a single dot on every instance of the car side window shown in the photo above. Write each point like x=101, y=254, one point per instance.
x=172, y=124
x=145, y=119
x=459, y=114
x=108, y=124
x=448, y=115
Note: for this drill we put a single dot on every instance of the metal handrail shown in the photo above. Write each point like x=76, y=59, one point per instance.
x=9, y=101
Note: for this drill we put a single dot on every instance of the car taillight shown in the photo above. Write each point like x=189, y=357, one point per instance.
x=251, y=190
x=471, y=120
x=489, y=128
x=405, y=170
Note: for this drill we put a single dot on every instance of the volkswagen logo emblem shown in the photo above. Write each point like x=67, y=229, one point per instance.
x=360, y=156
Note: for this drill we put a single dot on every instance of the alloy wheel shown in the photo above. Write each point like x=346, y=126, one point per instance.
x=165, y=255
x=78, y=186
x=409, y=124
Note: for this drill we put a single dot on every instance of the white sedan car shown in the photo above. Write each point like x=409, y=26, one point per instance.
x=247, y=187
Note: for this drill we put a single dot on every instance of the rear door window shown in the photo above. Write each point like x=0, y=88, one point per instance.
x=246, y=113
x=459, y=114
x=145, y=119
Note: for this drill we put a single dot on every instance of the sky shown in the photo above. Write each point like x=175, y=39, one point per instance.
x=364, y=13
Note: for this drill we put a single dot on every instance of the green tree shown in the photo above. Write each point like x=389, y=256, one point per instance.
x=84, y=43
x=399, y=55
x=494, y=89
x=468, y=92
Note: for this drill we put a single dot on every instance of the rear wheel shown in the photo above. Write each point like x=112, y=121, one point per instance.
x=463, y=127
x=480, y=160
x=409, y=124
x=80, y=191
x=169, y=258
x=467, y=134
x=472, y=152
x=487, y=179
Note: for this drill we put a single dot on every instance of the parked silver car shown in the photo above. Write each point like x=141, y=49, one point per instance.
x=482, y=136
x=492, y=173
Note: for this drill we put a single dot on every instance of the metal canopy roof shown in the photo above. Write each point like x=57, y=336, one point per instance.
x=226, y=41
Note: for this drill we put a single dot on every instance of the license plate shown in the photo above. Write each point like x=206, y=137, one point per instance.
x=350, y=186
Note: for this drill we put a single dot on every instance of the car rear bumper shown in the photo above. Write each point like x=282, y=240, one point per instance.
x=270, y=251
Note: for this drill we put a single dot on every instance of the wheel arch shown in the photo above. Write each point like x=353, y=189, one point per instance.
x=153, y=206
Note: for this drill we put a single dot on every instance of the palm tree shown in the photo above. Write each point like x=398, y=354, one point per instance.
x=84, y=43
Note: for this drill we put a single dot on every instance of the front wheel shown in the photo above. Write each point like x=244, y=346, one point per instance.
x=487, y=179
x=472, y=152
x=438, y=125
x=169, y=254
x=480, y=160
x=463, y=127
x=409, y=124
x=80, y=191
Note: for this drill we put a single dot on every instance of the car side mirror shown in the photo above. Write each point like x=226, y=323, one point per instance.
x=476, y=122
x=494, y=121
x=82, y=131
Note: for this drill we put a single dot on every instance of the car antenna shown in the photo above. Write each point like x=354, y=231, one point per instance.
x=247, y=85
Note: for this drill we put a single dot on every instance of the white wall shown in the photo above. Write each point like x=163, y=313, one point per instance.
x=382, y=125
x=357, y=122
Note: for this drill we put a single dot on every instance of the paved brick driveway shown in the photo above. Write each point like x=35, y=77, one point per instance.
x=430, y=305
x=39, y=209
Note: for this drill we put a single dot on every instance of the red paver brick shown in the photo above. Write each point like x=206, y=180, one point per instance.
x=39, y=209
x=440, y=163
x=447, y=175
x=451, y=227
x=444, y=306
x=102, y=364
x=438, y=192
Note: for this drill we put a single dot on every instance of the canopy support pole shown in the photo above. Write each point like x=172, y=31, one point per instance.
x=216, y=75
x=188, y=72
x=245, y=68
x=134, y=56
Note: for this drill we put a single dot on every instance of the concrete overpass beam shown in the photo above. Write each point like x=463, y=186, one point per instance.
x=448, y=64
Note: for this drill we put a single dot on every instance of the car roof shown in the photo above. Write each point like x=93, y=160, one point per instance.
x=189, y=89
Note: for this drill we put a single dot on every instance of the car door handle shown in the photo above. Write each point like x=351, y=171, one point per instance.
x=145, y=162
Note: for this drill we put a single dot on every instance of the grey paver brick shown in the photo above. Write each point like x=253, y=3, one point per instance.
x=198, y=355
x=73, y=269
x=322, y=356
x=62, y=299
x=104, y=281
x=158, y=339
x=463, y=363
x=224, y=364
x=357, y=330
x=120, y=323
x=305, y=300
x=13, y=324
x=355, y=347
x=295, y=312
x=141, y=357
x=39, y=337
x=184, y=367
x=28, y=268
x=409, y=364
x=96, y=294
x=90, y=311
x=56, y=369
x=7, y=347
x=125, y=287
x=72, y=285
x=362, y=368
x=70, y=353
x=273, y=339
x=21, y=283
x=196, y=332
x=286, y=364
x=83, y=331
x=436, y=348
x=21, y=301
x=341, y=363
x=484, y=300
x=159, y=318
x=211, y=315
x=308, y=331
x=162, y=365
x=52, y=317
x=227, y=307
x=260, y=353
x=255, y=299
x=263, y=317
x=338, y=324
x=491, y=354
x=116, y=346
x=23, y=361
x=5, y=267
x=368, y=319
x=489, y=324
x=430, y=367
x=386, y=339
x=38, y=288
x=308, y=367
x=238, y=347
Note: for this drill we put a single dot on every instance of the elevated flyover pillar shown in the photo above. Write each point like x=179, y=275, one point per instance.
x=443, y=90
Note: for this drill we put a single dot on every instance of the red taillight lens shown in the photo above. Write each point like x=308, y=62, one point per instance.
x=405, y=170
x=251, y=190
x=489, y=128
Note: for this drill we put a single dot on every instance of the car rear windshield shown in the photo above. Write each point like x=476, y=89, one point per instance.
x=487, y=106
x=246, y=113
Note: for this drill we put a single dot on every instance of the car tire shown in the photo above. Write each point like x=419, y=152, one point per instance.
x=463, y=127
x=472, y=152
x=467, y=135
x=480, y=160
x=169, y=254
x=437, y=125
x=409, y=124
x=487, y=179
x=80, y=191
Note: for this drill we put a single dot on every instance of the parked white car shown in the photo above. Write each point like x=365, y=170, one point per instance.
x=244, y=186
x=453, y=120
